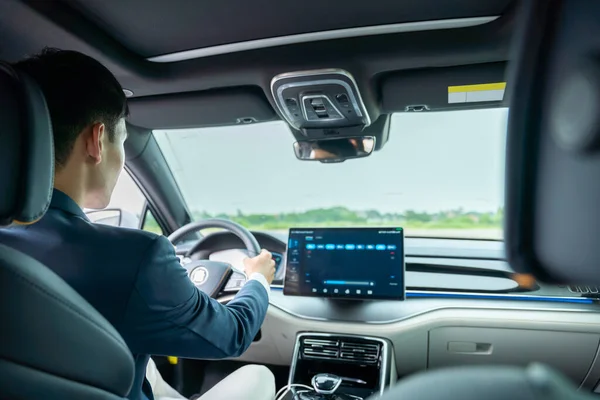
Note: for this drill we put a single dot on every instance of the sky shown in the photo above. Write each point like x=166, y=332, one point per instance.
x=433, y=161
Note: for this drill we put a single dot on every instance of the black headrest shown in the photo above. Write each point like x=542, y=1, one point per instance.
x=26, y=149
x=552, y=212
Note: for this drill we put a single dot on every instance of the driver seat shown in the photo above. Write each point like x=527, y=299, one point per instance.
x=53, y=344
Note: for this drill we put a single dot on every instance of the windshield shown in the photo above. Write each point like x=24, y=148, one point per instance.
x=439, y=175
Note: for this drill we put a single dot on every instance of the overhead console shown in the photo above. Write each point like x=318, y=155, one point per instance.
x=321, y=103
x=327, y=115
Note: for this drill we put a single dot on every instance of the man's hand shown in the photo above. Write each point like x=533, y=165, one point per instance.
x=263, y=264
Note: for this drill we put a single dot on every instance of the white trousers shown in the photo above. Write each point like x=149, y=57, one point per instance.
x=250, y=382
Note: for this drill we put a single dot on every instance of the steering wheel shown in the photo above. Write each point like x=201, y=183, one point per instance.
x=212, y=277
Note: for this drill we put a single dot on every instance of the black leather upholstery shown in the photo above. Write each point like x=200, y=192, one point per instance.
x=26, y=152
x=491, y=382
x=53, y=344
x=61, y=344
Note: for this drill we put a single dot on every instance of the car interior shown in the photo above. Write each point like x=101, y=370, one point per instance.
x=425, y=175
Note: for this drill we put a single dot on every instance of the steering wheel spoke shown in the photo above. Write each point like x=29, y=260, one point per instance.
x=236, y=281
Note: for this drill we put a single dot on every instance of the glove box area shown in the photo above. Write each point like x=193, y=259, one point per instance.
x=572, y=353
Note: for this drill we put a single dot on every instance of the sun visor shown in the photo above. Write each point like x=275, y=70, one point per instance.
x=552, y=216
x=199, y=109
x=448, y=88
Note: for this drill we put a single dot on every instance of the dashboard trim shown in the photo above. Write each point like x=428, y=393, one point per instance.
x=474, y=295
x=228, y=298
x=430, y=310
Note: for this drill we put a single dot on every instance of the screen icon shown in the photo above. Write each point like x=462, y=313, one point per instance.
x=324, y=290
x=335, y=290
x=370, y=247
x=369, y=292
x=320, y=246
x=380, y=247
x=350, y=247
x=310, y=246
x=391, y=247
x=357, y=291
x=314, y=290
x=347, y=291
x=360, y=247
x=330, y=247
x=340, y=247
x=292, y=244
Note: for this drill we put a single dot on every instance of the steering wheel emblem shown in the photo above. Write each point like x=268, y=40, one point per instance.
x=199, y=275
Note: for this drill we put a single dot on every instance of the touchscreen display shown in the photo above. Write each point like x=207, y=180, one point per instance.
x=346, y=263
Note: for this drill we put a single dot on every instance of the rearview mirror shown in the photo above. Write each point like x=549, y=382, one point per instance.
x=334, y=150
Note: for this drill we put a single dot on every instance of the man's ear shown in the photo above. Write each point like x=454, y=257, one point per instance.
x=93, y=142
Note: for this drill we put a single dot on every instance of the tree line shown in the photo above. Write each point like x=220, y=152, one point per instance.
x=342, y=216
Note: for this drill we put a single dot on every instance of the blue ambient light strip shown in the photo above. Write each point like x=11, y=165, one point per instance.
x=551, y=299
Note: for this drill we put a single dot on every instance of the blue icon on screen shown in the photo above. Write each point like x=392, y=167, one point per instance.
x=340, y=247
x=350, y=247
x=370, y=247
x=330, y=247
x=320, y=246
x=380, y=247
x=360, y=247
x=309, y=238
x=391, y=247
x=310, y=246
x=293, y=244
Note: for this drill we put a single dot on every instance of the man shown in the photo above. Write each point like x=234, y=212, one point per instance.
x=130, y=276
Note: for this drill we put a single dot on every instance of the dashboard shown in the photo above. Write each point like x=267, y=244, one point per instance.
x=460, y=294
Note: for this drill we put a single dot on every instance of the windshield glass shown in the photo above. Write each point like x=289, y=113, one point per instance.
x=439, y=175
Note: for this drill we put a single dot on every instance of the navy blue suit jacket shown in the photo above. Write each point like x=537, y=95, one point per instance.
x=134, y=279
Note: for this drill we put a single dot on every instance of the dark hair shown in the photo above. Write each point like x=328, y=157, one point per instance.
x=79, y=92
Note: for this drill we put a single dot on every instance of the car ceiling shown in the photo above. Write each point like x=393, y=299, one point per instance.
x=123, y=34
x=151, y=28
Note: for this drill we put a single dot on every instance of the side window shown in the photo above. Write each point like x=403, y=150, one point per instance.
x=126, y=206
x=150, y=224
x=128, y=197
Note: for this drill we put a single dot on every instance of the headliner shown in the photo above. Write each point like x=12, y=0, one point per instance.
x=122, y=34
x=151, y=28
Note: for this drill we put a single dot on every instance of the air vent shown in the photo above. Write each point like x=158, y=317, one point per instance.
x=321, y=348
x=585, y=290
x=359, y=351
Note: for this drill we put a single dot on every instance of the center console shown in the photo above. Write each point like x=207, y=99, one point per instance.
x=340, y=367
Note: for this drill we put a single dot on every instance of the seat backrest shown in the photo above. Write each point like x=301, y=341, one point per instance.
x=53, y=344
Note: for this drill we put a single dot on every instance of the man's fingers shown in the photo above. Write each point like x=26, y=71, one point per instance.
x=265, y=254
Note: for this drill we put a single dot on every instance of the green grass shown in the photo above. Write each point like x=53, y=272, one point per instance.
x=453, y=223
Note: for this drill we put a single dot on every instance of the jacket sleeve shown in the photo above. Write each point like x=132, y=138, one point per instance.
x=168, y=315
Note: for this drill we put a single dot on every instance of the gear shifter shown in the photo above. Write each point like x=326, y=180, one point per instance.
x=324, y=386
x=326, y=383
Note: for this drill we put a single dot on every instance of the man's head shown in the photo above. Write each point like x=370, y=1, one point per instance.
x=87, y=107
